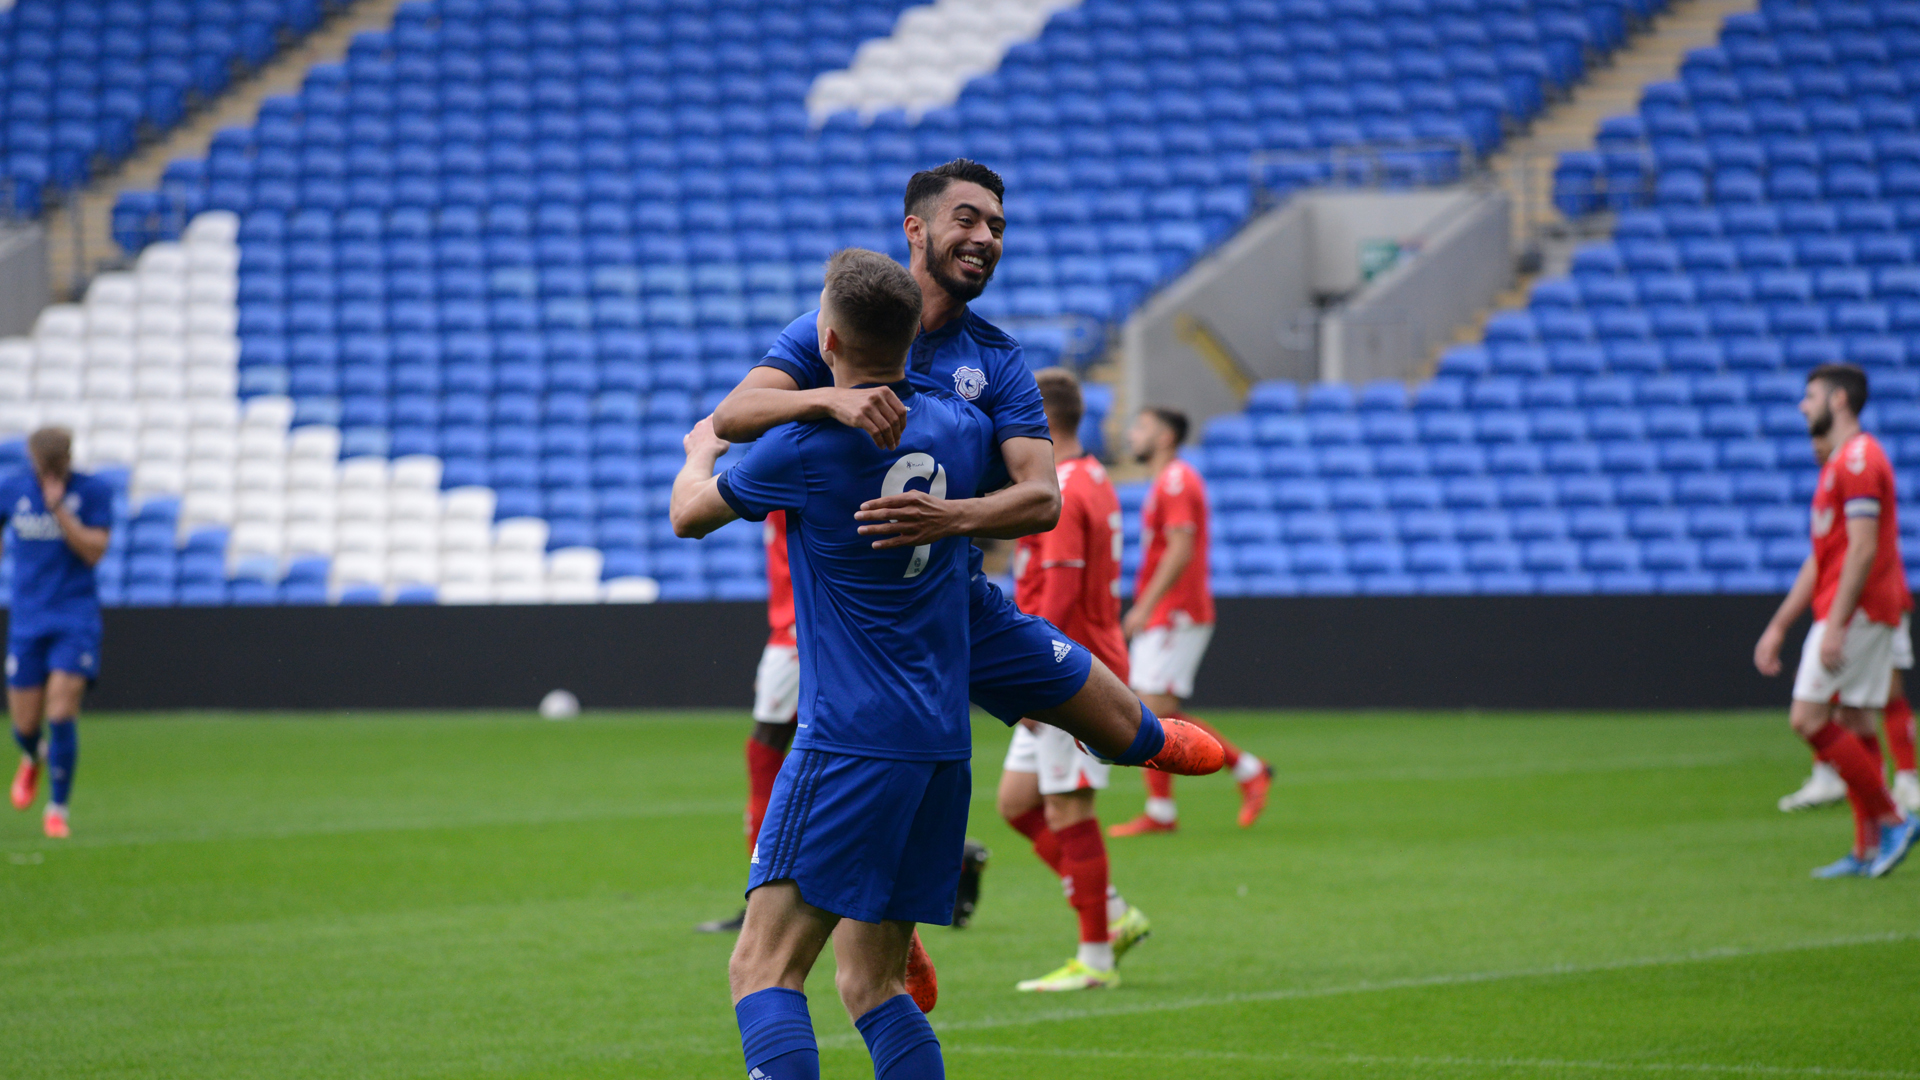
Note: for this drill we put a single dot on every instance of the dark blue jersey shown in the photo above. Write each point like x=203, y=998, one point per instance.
x=52, y=588
x=883, y=635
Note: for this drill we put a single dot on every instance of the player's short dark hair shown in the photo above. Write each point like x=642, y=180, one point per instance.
x=1060, y=396
x=51, y=450
x=1175, y=420
x=929, y=184
x=1845, y=377
x=874, y=302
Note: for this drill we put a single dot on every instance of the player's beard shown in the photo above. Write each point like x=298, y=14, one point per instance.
x=940, y=268
x=1820, y=423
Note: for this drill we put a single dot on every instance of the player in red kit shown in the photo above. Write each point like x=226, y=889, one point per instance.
x=1823, y=786
x=1071, y=577
x=1858, y=591
x=1171, y=621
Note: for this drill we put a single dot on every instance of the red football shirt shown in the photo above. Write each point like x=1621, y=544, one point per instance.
x=779, y=581
x=1177, y=500
x=1856, y=482
x=1070, y=576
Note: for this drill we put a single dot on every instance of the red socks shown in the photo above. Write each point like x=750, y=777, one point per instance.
x=1850, y=758
x=1083, y=859
x=763, y=765
x=1900, y=733
x=1046, y=844
x=1159, y=784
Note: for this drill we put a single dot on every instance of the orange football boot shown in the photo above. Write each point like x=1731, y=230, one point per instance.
x=1253, y=796
x=1189, y=750
x=1143, y=825
x=923, y=983
x=54, y=822
x=25, y=782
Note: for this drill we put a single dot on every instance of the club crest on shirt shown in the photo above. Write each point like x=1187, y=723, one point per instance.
x=1857, y=456
x=968, y=382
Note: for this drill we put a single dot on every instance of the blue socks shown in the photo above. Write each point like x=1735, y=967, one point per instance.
x=1146, y=742
x=776, y=1032
x=63, y=752
x=28, y=744
x=901, y=1041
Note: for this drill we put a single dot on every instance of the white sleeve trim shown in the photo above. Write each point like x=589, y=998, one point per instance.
x=1863, y=507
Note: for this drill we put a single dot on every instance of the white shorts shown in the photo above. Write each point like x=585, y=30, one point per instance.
x=1165, y=658
x=1903, y=644
x=1866, y=668
x=1059, y=762
x=776, y=686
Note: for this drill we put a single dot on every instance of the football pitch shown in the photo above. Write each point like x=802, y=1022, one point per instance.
x=482, y=895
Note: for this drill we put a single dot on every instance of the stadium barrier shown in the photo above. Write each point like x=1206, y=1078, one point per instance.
x=1515, y=652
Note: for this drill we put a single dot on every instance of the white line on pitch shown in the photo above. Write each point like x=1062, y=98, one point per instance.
x=1442, y=1061
x=1049, y=1016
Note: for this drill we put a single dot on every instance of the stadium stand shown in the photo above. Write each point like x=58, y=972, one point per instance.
x=80, y=81
x=534, y=239
x=1633, y=429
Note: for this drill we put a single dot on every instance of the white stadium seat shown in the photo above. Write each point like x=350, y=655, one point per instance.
x=199, y=508
x=252, y=537
x=163, y=289
x=112, y=320
x=270, y=413
x=521, y=535
x=359, y=504
x=15, y=386
x=163, y=444
x=109, y=384
x=264, y=505
x=166, y=318
x=417, y=472
x=364, y=474
x=630, y=590
x=359, y=568
x=575, y=564
x=404, y=504
x=360, y=535
x=57, y=384
x=118, y=353
x=165, y=415
x=212, y=383
x=115, y=287
x=263, y=444
x=163, y=258
x=315, y=442
x=413, y=536
x=309, y=538
x=465, y=534
x=18, y=417
x=210, y=475
x=306, y=474
x=260, y=474
x=160, y=352
x=468, y=504
x=17, y=354
x=213, y=412
x=414, y=568
x=217, y=443
x=310, y=505
x=212, y=226
x=465, y=567
x=61, y=321
x=211, y=288
x=466, y=592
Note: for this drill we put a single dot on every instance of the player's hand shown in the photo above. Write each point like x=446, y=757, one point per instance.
x=53, y=489
x=1833, y=648
x=1135, y=621
x=1766, y=653
x=910, y=519
x=873, y=409
x=702, y=440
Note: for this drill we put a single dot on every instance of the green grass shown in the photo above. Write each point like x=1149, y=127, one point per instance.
x=493, y=896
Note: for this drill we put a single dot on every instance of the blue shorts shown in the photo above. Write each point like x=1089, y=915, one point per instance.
x=867, y=838
x=31, y=656
x=1021, y=662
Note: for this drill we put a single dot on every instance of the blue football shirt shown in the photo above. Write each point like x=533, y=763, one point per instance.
x=969, y=356
x=883, y=635
x=52, y=588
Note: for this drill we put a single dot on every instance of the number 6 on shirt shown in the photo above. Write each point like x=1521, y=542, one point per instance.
x=916, y=467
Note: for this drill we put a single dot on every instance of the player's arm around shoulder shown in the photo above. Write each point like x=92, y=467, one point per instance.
x=698, y=507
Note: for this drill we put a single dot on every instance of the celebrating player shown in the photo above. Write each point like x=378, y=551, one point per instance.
x=1823, y=786
x=870, y=811
x=776, y=696
x=1858, y=591
x=1171, y=620
x=954, y=225
x=57, y=523
x=1071, y=577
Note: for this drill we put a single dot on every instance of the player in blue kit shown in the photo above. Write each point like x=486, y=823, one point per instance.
x=1021, y=665
x=863, y=836
x=57, y=528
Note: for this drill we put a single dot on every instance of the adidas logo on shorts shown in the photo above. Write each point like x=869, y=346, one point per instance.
x=1060, y=650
